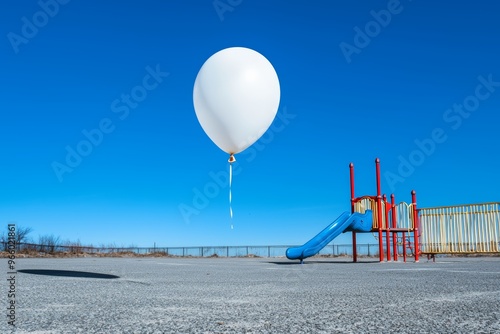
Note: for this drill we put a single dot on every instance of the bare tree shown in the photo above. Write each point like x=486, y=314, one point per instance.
x=48, y=243
x=74, y=247
x=42, y=243
x=53, y=242
x=3, y=240
x=22, y=234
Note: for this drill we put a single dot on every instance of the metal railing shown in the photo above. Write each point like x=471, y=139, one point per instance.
x=364, y=203
x=405, y=219
x=473, y=228
x=404, y=212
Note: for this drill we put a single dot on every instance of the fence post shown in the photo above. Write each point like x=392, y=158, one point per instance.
x=379, y=210
x=394, y=225
x=351, y=181
x=387, y=230
x=415, y=225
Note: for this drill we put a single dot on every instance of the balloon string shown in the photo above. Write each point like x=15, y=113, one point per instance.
x=230, y=196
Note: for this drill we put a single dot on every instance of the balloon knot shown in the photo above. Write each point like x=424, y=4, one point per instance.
x=231, y=159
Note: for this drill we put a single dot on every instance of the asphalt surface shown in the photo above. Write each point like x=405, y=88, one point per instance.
x=239, y=295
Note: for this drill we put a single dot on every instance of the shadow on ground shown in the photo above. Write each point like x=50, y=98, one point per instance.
x=66, y=273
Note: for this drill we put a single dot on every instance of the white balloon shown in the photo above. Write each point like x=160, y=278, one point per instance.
x=236, y=97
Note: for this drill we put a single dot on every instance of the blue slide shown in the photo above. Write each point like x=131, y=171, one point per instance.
x=344, y=223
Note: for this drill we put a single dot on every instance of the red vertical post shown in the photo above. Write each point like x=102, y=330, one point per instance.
x=415, y=225
x=351, y=174
x=354, y=250
x=379, y=211
x=387, y=230
x=394, y=225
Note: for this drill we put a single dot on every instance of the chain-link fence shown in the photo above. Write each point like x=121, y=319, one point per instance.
x=202, y=251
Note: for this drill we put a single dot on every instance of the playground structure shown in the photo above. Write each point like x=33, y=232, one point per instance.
x=402, y=228
x=397, y=224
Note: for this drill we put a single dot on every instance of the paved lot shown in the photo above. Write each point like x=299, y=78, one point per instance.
x=227, y=295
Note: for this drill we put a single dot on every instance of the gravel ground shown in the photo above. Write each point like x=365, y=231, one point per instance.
x=233, y=295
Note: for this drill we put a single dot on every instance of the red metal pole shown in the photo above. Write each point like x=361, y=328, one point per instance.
x=354, y=250
x=387, y=230
x=394, y=225
x=415, y=225
x=351, y=174
x=379, y=209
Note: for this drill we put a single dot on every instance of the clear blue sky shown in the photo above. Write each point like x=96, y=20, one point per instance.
x=415, y=83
